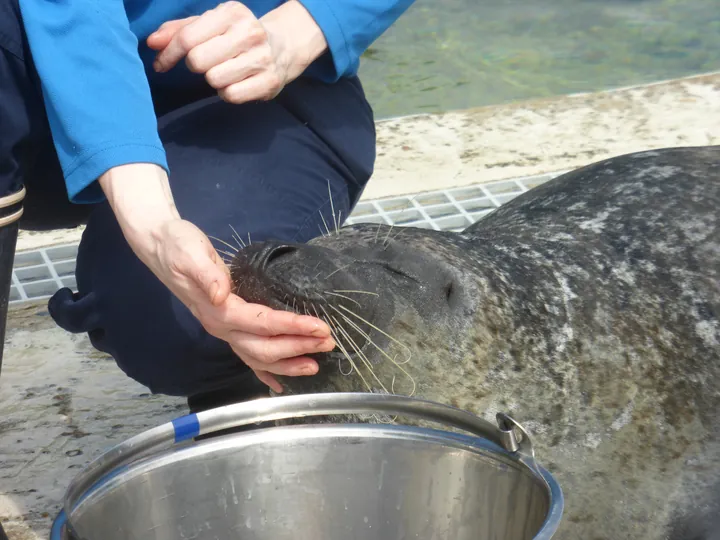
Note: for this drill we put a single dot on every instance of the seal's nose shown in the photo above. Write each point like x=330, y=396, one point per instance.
x=272, y=253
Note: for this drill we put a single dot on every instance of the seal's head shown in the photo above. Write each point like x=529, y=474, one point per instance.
x=389, y=297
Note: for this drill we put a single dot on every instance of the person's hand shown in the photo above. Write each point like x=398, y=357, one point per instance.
x=182, y=257
x=244, y=58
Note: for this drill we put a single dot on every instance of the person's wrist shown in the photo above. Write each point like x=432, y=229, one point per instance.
x=299, y=39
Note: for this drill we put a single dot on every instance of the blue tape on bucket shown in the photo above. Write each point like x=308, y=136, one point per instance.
x=56, y=532
x=186, y=427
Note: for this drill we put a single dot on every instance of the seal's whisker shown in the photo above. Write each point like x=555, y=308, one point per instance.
x=388, y=235
x=236, y=250
x=362, y=356
x=324, y=223
x=353, y=365
x=377, y=233
x=340, y=369
x=223, y=252
x=345, y=297
x=237, y=237
x=318, y=315
x=410, y=377
x=337, y=270
x=358, y=292
x=371, y=325
x=385, y=354
x=399, y=232
x=332, y=206
x=337, y=230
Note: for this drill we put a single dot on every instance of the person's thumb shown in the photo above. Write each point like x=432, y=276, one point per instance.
x=213, y=279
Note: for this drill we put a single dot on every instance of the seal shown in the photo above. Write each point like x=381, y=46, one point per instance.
x=587, y=308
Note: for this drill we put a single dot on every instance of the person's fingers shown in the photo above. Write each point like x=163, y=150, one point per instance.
x=160, y=38
x=236, y=314
x=239, y=38
x=271, y=350
x=261, y=87
x=236, y=69
x=210, y=24
x=269, y=380
x=292, y=367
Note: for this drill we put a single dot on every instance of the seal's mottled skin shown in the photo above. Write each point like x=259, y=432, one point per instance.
x=587, y=308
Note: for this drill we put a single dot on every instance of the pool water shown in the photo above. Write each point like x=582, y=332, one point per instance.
x=455, y=54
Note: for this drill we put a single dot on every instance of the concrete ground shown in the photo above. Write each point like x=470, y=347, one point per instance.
x=62, y=403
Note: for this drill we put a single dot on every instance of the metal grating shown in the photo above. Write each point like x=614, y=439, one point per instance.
x=444, y=210
x=38, y=274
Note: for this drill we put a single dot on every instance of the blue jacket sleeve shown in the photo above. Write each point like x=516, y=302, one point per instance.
x=95, y=89
x=351, y=26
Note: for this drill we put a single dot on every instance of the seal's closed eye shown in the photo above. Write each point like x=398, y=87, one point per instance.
x=398, y=272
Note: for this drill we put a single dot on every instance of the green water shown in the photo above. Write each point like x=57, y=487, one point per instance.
x=454, y=54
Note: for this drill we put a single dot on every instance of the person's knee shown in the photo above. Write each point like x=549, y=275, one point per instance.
x=148, y=343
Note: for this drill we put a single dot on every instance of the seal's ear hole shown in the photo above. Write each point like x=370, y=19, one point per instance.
x=449, y=291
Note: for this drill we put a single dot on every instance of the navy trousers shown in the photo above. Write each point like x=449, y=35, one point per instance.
x=267, y=169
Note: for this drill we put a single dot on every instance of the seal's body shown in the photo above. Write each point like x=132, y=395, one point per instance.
x=587, y=308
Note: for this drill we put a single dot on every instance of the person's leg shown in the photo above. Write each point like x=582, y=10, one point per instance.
x=20, y=125
x=29, y=171
x=265, y=169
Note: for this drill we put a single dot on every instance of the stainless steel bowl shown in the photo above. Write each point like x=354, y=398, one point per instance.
x=317, y=482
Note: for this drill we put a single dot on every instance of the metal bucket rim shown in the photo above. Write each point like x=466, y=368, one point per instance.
x=171, y=456
x=475, y=444
x=184, y=429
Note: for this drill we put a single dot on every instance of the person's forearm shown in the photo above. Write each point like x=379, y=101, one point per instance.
x=140, y=197
x=304, y=41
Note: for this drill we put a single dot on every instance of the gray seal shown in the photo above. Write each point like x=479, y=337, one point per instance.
x=587, y=308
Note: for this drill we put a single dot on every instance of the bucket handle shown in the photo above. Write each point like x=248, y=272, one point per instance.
x=187, y=427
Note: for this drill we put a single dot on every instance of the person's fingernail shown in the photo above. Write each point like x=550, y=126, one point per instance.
x=319, y=329
x=327, y=344
x=310, y=369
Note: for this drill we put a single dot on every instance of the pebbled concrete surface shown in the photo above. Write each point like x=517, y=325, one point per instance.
x=62, y=404
x=487, y=144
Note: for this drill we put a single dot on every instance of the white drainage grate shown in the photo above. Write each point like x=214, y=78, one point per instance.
x=447, y=209
x=38, y=274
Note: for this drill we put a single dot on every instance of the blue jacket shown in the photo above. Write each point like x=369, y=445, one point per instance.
x=94, y=66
